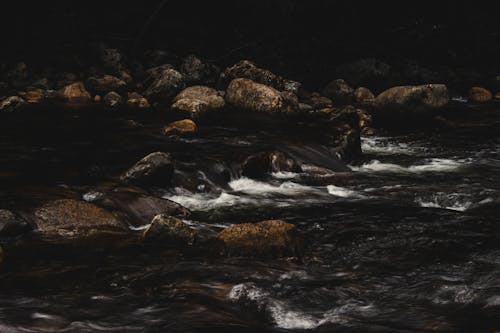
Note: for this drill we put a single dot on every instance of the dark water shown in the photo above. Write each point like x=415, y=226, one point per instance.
x=410, y=242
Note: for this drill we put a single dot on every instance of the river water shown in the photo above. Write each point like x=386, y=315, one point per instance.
x=408, y=242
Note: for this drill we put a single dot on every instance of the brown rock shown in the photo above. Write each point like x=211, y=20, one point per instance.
x=180, y=127
x=113, y=100
x=273, y=238
x=154, y=169
x=34, y=96
x=478, y=94
x=12, y=225
x=75, y=93
x=136, y=100
x=339, y=92
x=363, y=95
x=106, y=84
x=70, y=219
x=192, y=106
x=249, y=95
x=198, y=72
x=413, y=98
x=166, y=85
x=165, y=228
x=11, y=104
x=261, y=164
x=207, y=95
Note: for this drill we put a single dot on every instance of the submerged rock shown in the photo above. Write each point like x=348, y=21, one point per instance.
x=166, y=229
x=12, y=225
x=413, y=98
x=478, y=94
x=262, y=164
x=75, y=93
x=139, y=209
x=11, y=104
x=249, y=95
x=166, y=85
x=69, y=219
x=113, y=100
x=273, y=238
x=180, y=128
x=135, y=100
x=339, y=92
x=154, y=169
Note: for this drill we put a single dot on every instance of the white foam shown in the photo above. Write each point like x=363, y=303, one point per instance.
x=342, y=192
x=250, y=186
x=429, y=165
x=451, y=201
x=285, y=175
x=202, y=202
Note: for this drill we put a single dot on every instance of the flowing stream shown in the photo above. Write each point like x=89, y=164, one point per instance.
x=409, y=242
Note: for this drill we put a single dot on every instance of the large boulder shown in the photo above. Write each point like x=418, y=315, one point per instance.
x=339, y=92
x=166, y=85
x=273, y=238
x=106, y=84
x=136, y=208
x=183, y=127
x=196, y=71
x=261, y=164
x=11, y=104
x=248, y=70
x=198, y=99
x=479, y=95
x=75, y=93
x=168, y=229
x=413, y=98
x=12, y=225
x=70, y=219
x=249, y=95
x=154, y=169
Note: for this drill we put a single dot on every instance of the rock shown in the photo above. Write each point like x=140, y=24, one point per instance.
x=345, y=133
x=156, y=72
x=180, y=128
x=365, y=122
x=75, y=93
x=248, y=70
x=165, y=228
x=363, y=95
x=97, y=99
x=497, y=95
x=34, y=96
x=105, y=84
x=112, y=59
x=320, y=102
x=413, y=98
x=198, y=99
x=138, y=209
x=71, y=219
x=249, y=95
x=339, y=92
x=12, y=225
x=113, y=100
x=196, y=71
x=155, y=169
x=478, y=94
x=261, y=164
x=273, y=238
x=135, y=100
x=43, y=84
x=11, y=104
x=166, y=85
x=66, y=79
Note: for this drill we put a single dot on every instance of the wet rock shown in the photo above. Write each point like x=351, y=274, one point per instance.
x=196, y=71
x=198, y=99
x=155, y=169
x=248, y=70
x=365, y=122
x=112, y=59
x=34, y=96
x=413, y=98
x=154, y=73
x=363, y=95
x=180, y=128
x=262, y=164
x=273, y=238
x=138, y=209
x=97, y=99
x=168, y=229
x=137, y=101
x=249, y=95
x=113, y=100
x=339, y=92
x=71, y=219
x=105, y=84
x=11, y=104
x=12, y=225
x=479, y=94
x=75, y=93
x=320, y=102
x=18, y=75
x=166, y=85
x=345, y=133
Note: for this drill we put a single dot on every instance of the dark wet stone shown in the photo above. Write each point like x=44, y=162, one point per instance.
x=196, y=71
x=168, y=229
x=166, y=85
x=113, y=100
x=11, y=104
x=154, y=169
x=12, y=225
x=413, y=98
x=262, y=164
x=339, y=92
